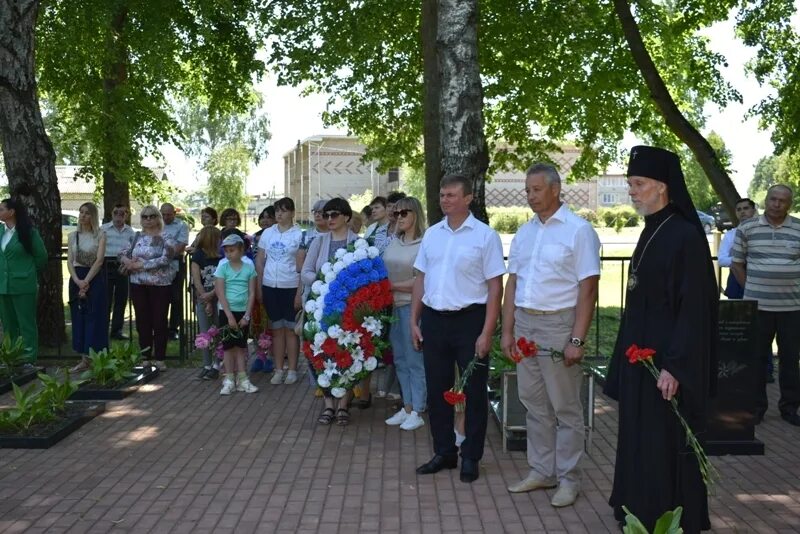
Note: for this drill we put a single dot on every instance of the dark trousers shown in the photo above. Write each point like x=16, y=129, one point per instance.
x=151, y=304
x=89, y=318
x=117, y=293
x=786, y=326
x=176, y=297
x=450, y=339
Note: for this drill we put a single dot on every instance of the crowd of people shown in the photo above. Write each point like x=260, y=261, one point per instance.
x=448, y=295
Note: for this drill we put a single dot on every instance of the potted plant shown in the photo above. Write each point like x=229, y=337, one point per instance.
x=41, y=417
x=113, y=374
x=12, y=365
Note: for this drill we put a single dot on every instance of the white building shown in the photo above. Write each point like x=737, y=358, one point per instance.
x=328, y=166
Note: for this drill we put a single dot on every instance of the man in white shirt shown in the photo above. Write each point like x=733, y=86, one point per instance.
x=119, y=236
x=745, y=209
x=553, y=272
x=456, y=298
x=178, y=231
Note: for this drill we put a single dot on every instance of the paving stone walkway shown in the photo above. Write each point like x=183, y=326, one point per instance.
x=177, y=457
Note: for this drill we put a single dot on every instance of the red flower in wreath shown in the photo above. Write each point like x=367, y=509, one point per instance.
x=343, y=359
x=330, y=346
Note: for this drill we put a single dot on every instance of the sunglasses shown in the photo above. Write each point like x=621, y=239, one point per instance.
x=331, y=214
x=149, y=216
x=401, y=213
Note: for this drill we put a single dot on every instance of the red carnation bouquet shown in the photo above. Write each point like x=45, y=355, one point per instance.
x=455, y=396
x=644, y=356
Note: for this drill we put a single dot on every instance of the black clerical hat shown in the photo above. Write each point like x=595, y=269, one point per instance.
x=665, y=166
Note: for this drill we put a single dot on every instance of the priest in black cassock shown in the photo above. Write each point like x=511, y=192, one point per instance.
x=671, y=307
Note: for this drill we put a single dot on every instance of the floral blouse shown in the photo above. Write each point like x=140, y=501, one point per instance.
x=156, y=254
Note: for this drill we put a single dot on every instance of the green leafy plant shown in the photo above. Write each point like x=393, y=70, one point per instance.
x=11, y=356
x=113, y=366
x=669, y=523
x=33, y=406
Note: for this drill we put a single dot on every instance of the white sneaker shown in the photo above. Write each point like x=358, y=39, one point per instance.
x=291, y=377
x=566, y=495
x=532, y=482
x=246, y=386
x=412, y=422
x=398, y=418
x=228, y=387
x=277, y=377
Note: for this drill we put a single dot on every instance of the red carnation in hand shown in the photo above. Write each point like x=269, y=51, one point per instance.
x=454, y=397
x=516, y=356
x=636, y=354
x=528, y=348
x=330, y=346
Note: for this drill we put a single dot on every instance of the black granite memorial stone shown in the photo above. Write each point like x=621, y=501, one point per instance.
x=732, y=419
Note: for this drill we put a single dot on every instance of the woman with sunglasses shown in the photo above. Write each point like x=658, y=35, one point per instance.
x=148, y=262
x=399, y=259
x=337, y=213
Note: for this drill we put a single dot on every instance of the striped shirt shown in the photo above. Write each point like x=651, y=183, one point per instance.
x=772, y=256
x=117, y=240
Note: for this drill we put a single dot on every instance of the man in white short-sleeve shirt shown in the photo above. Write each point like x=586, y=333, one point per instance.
x=554, y=268
x=456, y=298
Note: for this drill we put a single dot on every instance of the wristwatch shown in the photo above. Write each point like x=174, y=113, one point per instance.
x=578, y=342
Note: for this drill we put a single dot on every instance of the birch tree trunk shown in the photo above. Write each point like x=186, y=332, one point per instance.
x=28, y=154
x=700, y=147
x=462, y=141
x=432, y=86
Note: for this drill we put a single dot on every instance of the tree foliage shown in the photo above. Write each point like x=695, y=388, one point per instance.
x=228, y=168
x=113, y=68
x=781, y=169
x=551, y=71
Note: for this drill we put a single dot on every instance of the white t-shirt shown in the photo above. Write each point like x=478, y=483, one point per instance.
x=280, y=248
x=459, y=263
x=550, y=259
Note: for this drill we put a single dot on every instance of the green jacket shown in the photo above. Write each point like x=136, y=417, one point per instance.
x=18, y=269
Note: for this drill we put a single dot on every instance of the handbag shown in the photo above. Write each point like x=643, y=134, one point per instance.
x=122, y=269
x=299, y=320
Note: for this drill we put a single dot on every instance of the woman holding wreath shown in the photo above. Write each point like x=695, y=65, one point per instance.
x=337, y=213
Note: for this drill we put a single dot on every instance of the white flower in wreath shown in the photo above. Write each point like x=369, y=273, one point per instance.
x=323, y=290
x=318, y=314
x=319, y=338
x=357, y=366
x=335, y=331
x=339, y=253
x=357, y=353
x=360, y=254
x=348, y=258
x=311, y=306
x=330, y=368
x=373, y=252
x=360, y=243
x=371, y=363
x=338, y=392
x=320, y=303
x=350, y=338
x=327, y=267
x=316, y=286
x=330, y=277
x=338, y=267
x=372, y=325
x=323, y=380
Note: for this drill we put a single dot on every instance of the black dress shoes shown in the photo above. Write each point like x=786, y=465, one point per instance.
x=469, y=470
x=437, y=463
x=791, y=418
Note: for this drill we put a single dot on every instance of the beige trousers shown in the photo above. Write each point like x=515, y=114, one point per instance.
x=551, y=393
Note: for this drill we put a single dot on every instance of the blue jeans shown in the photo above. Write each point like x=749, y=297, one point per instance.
x=407, y=361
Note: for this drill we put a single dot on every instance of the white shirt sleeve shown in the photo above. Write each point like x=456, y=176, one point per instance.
x=726, y=248
x=493, y=263
x=420, y=263
x=587, y=252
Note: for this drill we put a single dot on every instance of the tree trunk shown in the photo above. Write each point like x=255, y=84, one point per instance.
x=463, y=144
x=29, y=156
x=432, y=83
x=700, y=147
x=115, y=191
